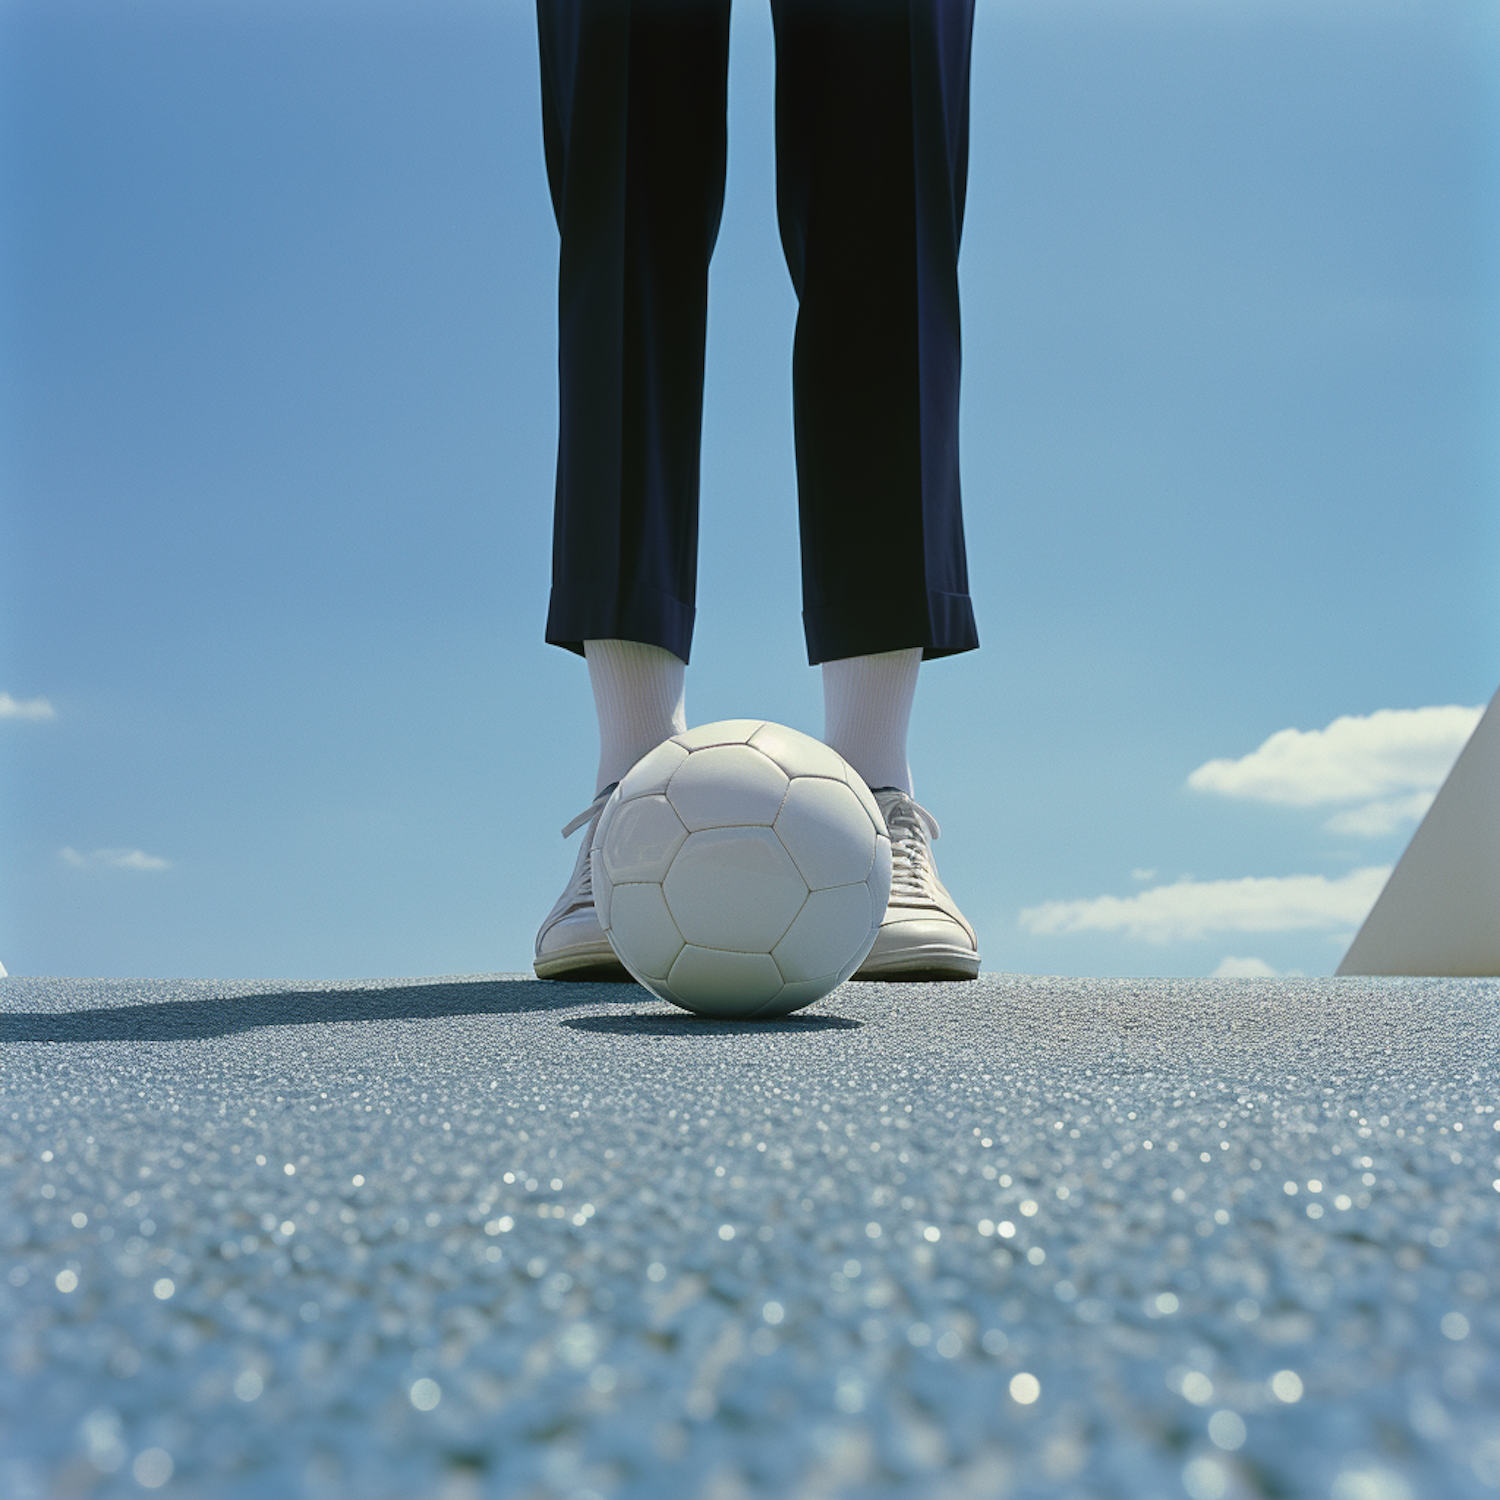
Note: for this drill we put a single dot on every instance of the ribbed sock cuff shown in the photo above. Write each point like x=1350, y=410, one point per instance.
x=866, y=711
x=640, y=696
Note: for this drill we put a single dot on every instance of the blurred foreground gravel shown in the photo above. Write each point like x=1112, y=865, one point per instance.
x=493, y=1237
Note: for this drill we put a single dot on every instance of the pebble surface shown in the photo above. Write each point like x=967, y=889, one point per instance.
x=452, y=1238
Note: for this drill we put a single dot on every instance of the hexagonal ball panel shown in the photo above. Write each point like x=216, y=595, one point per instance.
x=642, y=931
x=735, y=889
x=833, y=927
x=827, y=832
x=798, y=754
x=795, y=996
x=643, y=836
x=729, y=986
x=726, y=785
x=652, y=771
x=724, y=732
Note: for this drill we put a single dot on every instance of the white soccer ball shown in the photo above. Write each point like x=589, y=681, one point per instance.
x=741, y=870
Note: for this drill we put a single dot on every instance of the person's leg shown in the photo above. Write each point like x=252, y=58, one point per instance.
x=634, y=99
x=639, y=695
x=872, y=156
x=633, y=106
x=866, y=710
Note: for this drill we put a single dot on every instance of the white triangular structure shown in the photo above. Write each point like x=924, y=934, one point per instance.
x=1440, y=911
x=3, y=974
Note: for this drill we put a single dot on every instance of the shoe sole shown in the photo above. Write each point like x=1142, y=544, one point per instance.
x=925, y=963
x=594, y=962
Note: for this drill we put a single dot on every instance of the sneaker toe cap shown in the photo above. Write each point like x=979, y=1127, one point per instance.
x=934, y=943
x=577, y=930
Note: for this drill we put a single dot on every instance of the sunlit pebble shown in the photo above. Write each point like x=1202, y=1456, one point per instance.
x=358, y=1179
x=932, y=1234
x=1226, y=1430
x=80, y=1220
x=66, y=1281
x=872, y=1230
x=290, y=1170
x=1455, y=1326
x=1028, y=1207
x=1024, y=1388
x=1197, y=1388
x=1286, y=1385
x=153, y=1468
x=1005, y=1229
x=248, y=1385
x=1166, y=1303
x=656, y=1271
x=773, y=1312
x=726, y=1231
x=425, y=1394
x=1036, y=1255
x=163, y=1288
x=950, y=1345
x=1204, y=1479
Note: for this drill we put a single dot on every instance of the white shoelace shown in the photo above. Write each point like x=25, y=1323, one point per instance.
x=911, y=828
x=581, y=889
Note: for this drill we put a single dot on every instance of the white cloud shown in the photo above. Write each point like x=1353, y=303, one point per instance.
x=1390, y=762
x=1192, y=909
x=1142, y=875
x=114, y=859
x=25, y=708
x=1251, y=968
x=1376, y=819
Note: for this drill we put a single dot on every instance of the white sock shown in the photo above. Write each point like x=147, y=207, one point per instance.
x=639, y=692
x=866, y=709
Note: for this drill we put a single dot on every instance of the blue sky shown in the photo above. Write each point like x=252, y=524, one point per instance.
x=277, y=290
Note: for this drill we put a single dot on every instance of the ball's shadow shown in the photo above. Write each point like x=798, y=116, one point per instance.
x=659, y=1023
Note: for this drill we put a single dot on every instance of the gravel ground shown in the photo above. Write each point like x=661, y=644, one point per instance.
x=493, y=1237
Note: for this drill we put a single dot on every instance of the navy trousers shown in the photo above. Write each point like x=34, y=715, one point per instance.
x=872, y=157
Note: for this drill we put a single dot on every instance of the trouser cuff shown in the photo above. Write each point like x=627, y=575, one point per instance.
x=604, y=612
x=866, y=624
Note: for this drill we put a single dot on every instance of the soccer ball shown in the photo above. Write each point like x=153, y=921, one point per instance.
x=741, y=870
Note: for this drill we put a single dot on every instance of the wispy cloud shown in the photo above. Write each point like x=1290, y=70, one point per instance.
x=114, y=859
x=1251, y=968
x=1376, y=819
x=1390, y=763
x=1191, y=909
x=25, y=708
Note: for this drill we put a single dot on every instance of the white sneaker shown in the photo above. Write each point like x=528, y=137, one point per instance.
x=571, y=943
x=923, y=934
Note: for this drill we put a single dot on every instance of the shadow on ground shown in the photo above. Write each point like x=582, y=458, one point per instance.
x=222, y=1015
x=659, y=1023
